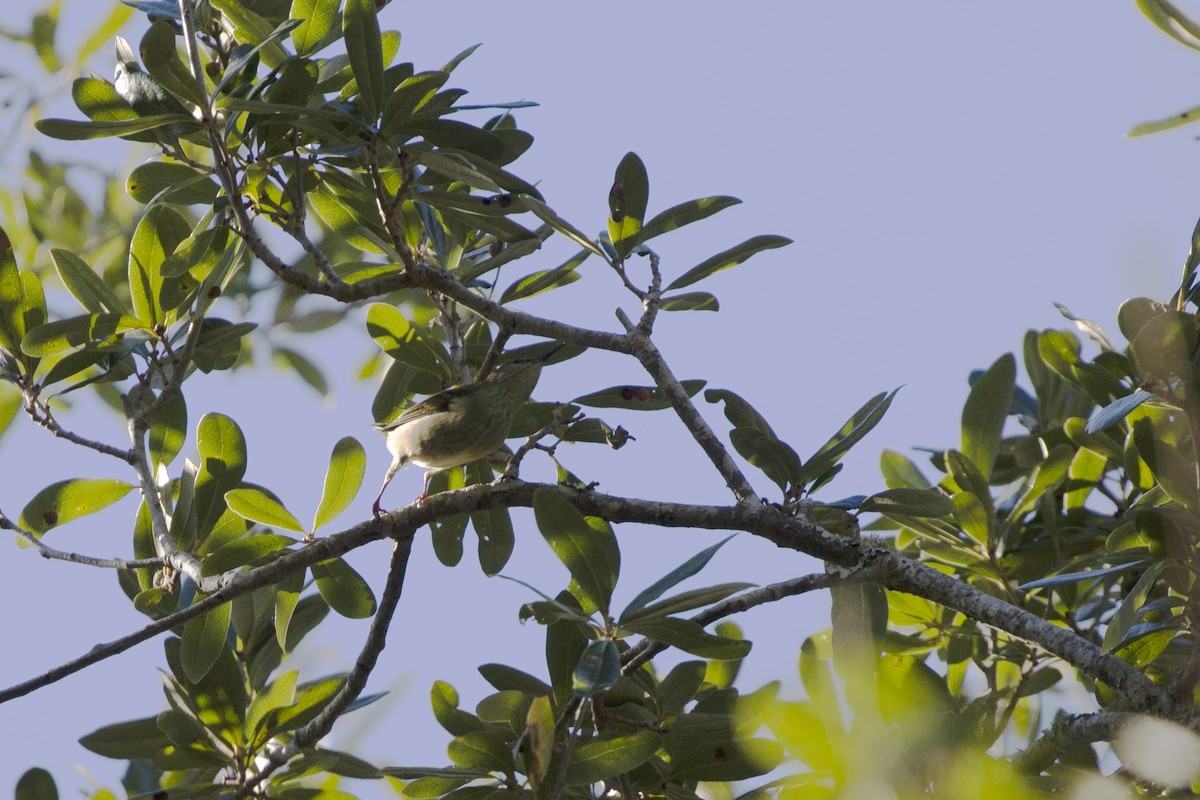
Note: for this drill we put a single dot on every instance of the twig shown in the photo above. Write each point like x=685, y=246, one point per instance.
x=651, y=359
x=46, y=551
x=40, y=413
x=561, y=418
x=356, y=681
x=652, y=301
x=646, y=649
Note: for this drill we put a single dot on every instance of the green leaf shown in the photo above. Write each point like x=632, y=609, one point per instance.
x=728, y=258
x=344, y=589
x=677, y=216
x=691, y=638
x=138, y=738
x=61, y=502
x=598, y=669
x=673, y=578
x=252, y=29
x=12, y=300
x=505, y=678
x=1127, y=614
x=1168, y=19
x=635, y=398
x=481, y=750
x=364, y=44
x=319, y=23
x=685, y=601
x=77, y=130
x=262, y=507
x=609, y=756
x=157, y=235
x=855, y=428
x=775, y=458
x=627, y=200
x=176, y=183
x=36, y=784
x=308, y=371
x=203, y=641
x=287, y=596
x=690, y=301
x=590, y=555
x=343, y=479
x=67, y=334
x=738, y=411
x=161, y=57
x=168, y=431
x=246, y=550
x=987, y=406
x=222, y=450
x=545, y=280
x=405, y=342
x=84, y=284
x=494, y=528
x=906, y=502
x=548, y=216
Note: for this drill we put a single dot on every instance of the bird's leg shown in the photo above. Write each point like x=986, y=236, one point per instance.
x=425, y=488
x=396, y=464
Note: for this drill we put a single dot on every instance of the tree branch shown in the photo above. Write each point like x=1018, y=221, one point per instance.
x=308, y=735
x=46, y=551
x=1068, y=730
x=646, y=649
x=644, y=350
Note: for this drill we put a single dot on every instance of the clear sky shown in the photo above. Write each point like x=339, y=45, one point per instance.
x=947, y=170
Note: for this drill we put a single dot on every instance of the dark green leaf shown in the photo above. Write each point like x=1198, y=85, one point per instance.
x=139, y=738
x=691, y=637
x=66, y=334
x=364, y=44
x=691, y=301
x=728, y=258
x=36, y=784
x=598, y=669
x=677, y=216
x=609, y=756
x=909, y=503
x=589, y=554
x=75, y=130
x=177, y=183
x=203, y=642
x=636, y=398
x=850, y=434
x=246, y=550
x=673, y=578
x=344, y=589
x=84, y=284
x=987, y=406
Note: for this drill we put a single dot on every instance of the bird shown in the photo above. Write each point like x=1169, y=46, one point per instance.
x=461, y=424
x=138, y=89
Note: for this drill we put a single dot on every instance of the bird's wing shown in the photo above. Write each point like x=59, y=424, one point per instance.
x=438, y=403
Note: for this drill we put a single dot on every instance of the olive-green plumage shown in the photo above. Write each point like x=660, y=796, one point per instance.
x=460, y=424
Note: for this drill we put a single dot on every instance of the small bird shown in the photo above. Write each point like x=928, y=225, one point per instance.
x=460, y=424
x=138, y=89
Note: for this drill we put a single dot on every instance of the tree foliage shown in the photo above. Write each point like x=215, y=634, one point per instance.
x=303, y=172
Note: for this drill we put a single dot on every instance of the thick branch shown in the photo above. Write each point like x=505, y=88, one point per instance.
x=895, y=572
x=1068, y=730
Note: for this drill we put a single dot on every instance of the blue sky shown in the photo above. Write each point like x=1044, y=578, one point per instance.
x=947, y=171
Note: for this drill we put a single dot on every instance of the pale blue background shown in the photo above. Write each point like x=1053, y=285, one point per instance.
x=948, y=170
